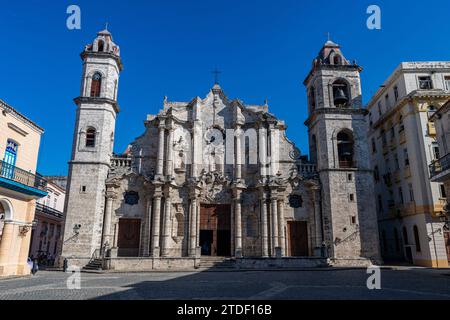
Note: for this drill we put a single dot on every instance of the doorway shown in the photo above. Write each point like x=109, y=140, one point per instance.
x=129, y=237
x=215, y=230
x=298, y=236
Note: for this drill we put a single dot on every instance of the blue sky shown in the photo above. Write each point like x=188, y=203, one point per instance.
x=263, y=48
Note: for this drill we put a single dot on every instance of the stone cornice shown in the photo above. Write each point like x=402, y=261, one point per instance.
x=358, y=111
x=320, y=67
x=118, y=60
x=91, y=100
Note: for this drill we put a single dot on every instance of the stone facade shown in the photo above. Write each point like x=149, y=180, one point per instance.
x=213, y=177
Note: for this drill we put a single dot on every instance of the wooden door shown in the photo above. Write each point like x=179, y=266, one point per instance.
x=215, y=226
x=298, y=234
x=129, y=237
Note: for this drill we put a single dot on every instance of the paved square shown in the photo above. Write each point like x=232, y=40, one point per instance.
x=317, y=284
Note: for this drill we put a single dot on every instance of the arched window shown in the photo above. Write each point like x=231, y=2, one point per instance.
x=251, y=227
x=90, y=137
x=341, y=93
x=337, y=60
x=417, y=239
x=101, y=46
x=9, y=159
x=312, y=99
x=345, y=149
x=96, y=85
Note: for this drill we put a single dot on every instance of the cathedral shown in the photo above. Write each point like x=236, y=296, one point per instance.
x=217, y=178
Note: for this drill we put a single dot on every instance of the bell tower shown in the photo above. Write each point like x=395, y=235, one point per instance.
x=92, y=149
x=338, y=145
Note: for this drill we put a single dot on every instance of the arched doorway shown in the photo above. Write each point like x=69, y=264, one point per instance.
x=6, y=213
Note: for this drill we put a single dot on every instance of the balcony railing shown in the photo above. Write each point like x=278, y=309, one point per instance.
x=439, y=166
x=21, y=176
x=121, y=161
x=49, y=211
x=307, y=170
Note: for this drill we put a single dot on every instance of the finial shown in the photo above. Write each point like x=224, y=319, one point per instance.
x=328, y=36
x=266, y=102
x=216, y=75
x=106, y=26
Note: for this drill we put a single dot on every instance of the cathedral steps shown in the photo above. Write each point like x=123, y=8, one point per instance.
x=94, y=265
x=217, y=263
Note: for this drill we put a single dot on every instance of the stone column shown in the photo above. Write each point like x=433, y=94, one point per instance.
x=238, y=162
x=169, y=167
x=274, y=218
x=238, y=225
x=116, y=235
x=281, y=227
x=274, y=153
x=160, y=164
x=166, y=227
x=264, y=226
x=263, y=150
x=5, y=243
x=193, y=228
x=156, y=224
x=110, y=197
x=147, y=230
x=196, y=158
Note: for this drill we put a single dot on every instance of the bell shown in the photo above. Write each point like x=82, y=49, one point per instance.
x=340, y=98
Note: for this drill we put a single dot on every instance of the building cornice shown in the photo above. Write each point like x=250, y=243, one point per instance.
x=346, y=111
x=8, y=109
x=90, y=100
x=415, y=96
x=118, y=60
x=320, y=67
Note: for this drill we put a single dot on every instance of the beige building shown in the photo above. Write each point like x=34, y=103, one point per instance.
x=403, y=143
x=440, y=168
x=49, y=219
x=19, y=188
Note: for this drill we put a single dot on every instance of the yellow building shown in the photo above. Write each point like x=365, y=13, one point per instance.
x=20, y=186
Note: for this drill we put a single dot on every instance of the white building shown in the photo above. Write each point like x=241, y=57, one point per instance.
x=403, y=144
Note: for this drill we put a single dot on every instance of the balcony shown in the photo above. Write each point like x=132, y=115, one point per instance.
x=21, y=181
x=440, y=169
x=307, y=170
x=49, y=211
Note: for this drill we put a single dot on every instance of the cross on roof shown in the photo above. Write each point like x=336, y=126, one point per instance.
x=216, y=74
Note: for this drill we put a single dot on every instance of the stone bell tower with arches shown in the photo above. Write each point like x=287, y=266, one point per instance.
x=92, y=149
x=338, y=145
